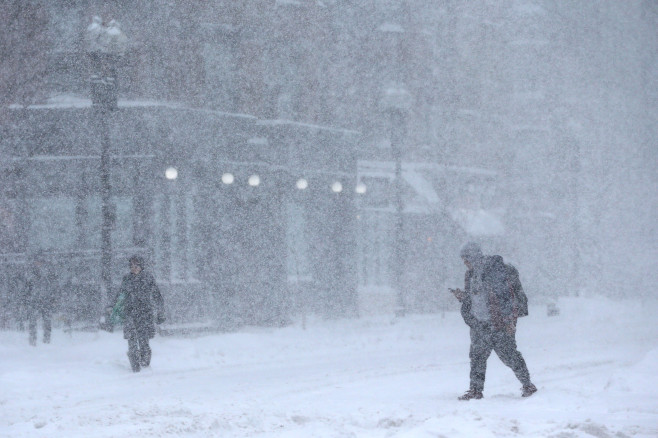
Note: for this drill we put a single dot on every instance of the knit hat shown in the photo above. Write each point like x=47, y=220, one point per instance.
x=471, y=251
x=137, y=260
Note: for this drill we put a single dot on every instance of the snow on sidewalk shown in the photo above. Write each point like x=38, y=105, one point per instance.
x=595, y=366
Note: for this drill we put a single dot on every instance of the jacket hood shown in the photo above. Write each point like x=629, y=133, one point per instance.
x=471, y=252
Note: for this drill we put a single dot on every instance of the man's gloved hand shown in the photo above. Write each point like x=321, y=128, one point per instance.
x=458, y=293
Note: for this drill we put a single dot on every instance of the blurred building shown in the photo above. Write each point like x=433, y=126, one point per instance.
x=209, y=198
x=538, y=97
x=444, y=207
x=245, y=214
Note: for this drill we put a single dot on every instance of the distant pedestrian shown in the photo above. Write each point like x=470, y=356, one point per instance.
x=491, y=302
x=142, y=306
x=40, y=291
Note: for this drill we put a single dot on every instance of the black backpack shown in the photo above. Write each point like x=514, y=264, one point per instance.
x=517, y=289
x=504, y=280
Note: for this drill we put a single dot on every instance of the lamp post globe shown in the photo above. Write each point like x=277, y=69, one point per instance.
x=171, y=173
x=228, y=178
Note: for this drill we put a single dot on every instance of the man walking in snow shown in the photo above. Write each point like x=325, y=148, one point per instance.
x=141, y=301
x=491, y=302
x=40, y=290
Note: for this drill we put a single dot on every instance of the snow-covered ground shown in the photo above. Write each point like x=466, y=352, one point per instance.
x=596, y=366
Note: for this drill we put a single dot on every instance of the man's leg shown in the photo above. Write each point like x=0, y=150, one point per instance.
x=32, y=325
x=479, y=353
x=47, y=325
x=133, y=351
x=145, y=351
x=505, y=348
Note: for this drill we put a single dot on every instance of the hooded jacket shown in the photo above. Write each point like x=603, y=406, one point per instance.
x=505, y=297
x=40, y=288
x=141, y=301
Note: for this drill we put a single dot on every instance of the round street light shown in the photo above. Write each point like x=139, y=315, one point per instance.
x=361, y=188
x=228, y=178
x=254, y=180
x=171, y=173
x=337, y=187
x=302, y=184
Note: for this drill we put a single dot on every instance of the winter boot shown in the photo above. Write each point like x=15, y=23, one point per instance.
x=528, y=390
x=33, y=334
x=471, y=394
x=145, y=358
x=47, y=329
x=134, y=363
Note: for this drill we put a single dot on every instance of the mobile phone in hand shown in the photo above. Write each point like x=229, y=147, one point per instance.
x=458, y=293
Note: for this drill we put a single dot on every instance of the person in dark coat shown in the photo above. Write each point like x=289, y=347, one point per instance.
x=491, y=302
x=143, y=306
x=39, y=297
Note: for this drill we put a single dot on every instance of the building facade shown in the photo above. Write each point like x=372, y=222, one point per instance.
x=543, y=94
x=216, y=234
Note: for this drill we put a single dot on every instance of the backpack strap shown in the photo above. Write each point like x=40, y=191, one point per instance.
x=516, y=289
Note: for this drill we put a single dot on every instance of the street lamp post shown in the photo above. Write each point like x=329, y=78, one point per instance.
x=171, y=174
x=105, y=45
x=302, y=186
x=396, y=102
x=397, y=136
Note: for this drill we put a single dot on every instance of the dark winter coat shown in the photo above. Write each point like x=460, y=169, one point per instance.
x=505, y=296
x=40, y=289
x=142, y=303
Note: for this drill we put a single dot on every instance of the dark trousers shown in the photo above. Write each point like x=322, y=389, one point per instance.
x=484, y=339
x=32, y=317
x=139, y=351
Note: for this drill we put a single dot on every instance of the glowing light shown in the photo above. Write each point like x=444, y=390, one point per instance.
x=171, y=173
x=337, y=187
x=361, y=188
x=302, y=184
x=254, y=180
x=228, y=178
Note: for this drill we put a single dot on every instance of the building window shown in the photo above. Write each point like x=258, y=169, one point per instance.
x=298, y=248
x=379, y=192
x=9, y=226
x=52, y=223
x=374, y=248
x=122, y=231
